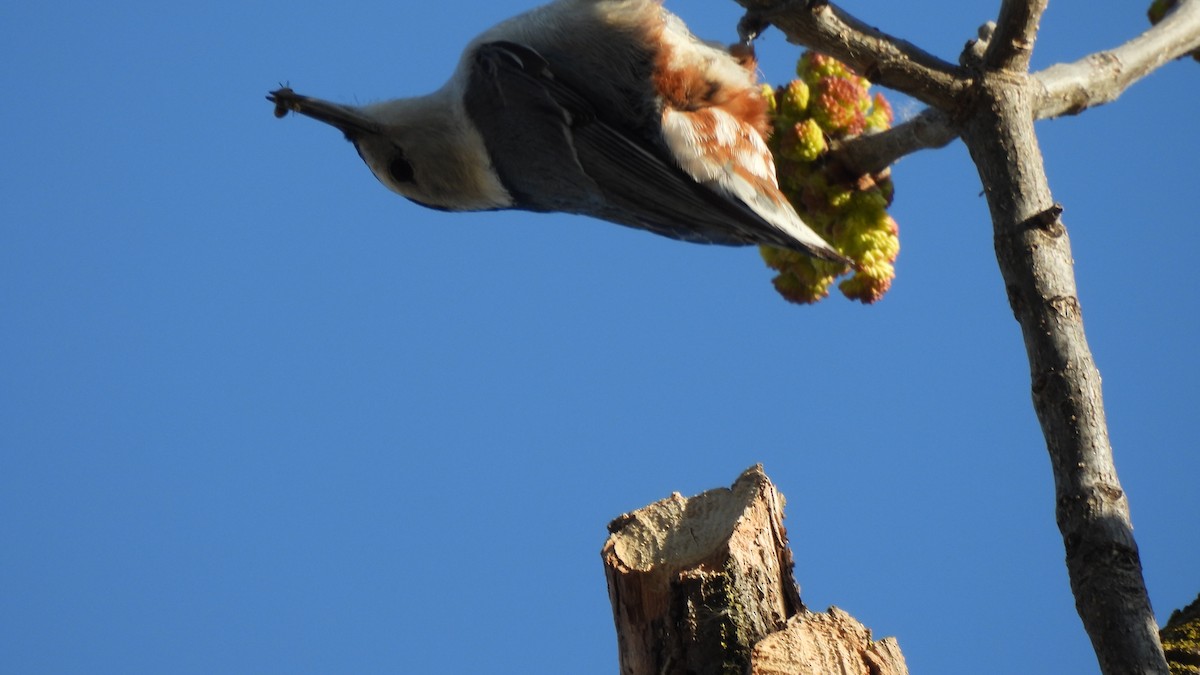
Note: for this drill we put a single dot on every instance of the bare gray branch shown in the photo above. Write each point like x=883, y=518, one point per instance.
x=881, y=58
x=1034, y=253
x=871, y=154
x=1011, y=44
x=1070, y=88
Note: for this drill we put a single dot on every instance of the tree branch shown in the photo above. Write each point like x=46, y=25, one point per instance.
x=874, y=153
x=1034, y=254
x=992, y=103
x=1062, y=89
x=881, y=58
x=1011, y=44
x=1070, y=88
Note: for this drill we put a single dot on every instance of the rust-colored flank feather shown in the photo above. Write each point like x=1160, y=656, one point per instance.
x=715, y=119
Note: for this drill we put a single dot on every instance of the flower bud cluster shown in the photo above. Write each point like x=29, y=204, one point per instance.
x=828, y=102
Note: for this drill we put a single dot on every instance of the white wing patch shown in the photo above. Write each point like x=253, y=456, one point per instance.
x=730, y=157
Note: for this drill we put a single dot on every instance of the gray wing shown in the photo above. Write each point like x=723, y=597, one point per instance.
x=556, y=150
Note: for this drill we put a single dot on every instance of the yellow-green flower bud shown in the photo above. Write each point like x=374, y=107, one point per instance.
x=804, y=142
x=881, y=116
x=815, y=66
x=768, y=94
x=865, y=289
x=831, y=101
x=801, y=289
x=793, y=100
x=840, y=106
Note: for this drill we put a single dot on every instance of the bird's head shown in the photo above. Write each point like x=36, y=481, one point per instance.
x=424, y=149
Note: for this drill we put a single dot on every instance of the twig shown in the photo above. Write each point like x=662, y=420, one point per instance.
x=881, y=58
x=1070, y=88
x=871, y=154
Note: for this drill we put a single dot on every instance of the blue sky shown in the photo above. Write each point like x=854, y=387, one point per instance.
x=259, y=415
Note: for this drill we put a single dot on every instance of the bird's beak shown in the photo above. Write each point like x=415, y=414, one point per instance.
x=351, y=122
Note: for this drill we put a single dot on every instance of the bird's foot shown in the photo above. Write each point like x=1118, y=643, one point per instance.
x=285, y=101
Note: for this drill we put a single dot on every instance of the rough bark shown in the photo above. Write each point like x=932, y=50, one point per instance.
x=1034, y=253
x=991, y=102
x=704, y=585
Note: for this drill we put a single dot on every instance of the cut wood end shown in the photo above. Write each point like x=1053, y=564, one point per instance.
x=815, y=643
x=683, y=530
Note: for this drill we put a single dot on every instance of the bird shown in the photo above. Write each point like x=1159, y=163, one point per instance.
x=606, y=108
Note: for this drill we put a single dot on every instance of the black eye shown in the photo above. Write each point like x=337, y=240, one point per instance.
x=399, y=168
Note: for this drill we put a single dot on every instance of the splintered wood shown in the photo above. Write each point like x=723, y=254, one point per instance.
x=832, y=642
x=704, y=585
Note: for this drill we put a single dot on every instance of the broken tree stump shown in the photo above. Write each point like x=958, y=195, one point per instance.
x=703, y=585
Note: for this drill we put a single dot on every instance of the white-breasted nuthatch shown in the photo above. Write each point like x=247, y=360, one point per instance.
x=608, y=108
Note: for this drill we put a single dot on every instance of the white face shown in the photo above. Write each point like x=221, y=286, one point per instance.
x=424, y=150
x=388, y=160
